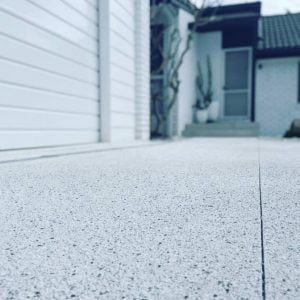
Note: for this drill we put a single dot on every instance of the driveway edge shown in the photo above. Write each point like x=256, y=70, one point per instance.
x=52, y=152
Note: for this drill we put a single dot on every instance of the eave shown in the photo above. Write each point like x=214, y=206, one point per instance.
x=278, y=52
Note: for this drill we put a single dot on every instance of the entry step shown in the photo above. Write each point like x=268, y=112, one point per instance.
x=234, y=129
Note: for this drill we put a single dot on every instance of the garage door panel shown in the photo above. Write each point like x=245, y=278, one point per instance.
x=123, y=105
x=49, y=74
x=84, y=8
x=122, y=14
x=38, y=17
x=127, y=5
x=20, y=97
x=122, y=60
x=122, y=134
x=119, y=119
x=15, y=50
x=120, y=21
x=25, y=139
x=123, y=35
x=24, y=75
x=93, y=3
x=122, y=45
x=121, y=74
x=16, y=28
x=26, y=119
x=122, y=90
x=68, y=15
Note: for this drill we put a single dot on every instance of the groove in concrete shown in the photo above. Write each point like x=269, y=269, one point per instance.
x=263, y=271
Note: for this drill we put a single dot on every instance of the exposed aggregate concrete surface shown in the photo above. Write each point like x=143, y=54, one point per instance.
x=174, y=221
x=280, y=167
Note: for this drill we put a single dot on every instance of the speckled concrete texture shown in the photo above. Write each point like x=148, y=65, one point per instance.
x=280, y=165
x=174, y=221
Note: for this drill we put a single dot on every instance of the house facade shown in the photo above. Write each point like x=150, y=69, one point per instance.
x=254, y=65
x=78, y=71
x=278, y=73
x=73, y=72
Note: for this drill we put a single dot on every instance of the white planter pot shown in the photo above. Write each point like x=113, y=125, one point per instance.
x=202, y=115
x=213, y=111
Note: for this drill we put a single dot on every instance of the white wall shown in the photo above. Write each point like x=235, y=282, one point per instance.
x=124, y=95
x=277, y=94
x=187, y=74
x=204, y=44
x=210, y=43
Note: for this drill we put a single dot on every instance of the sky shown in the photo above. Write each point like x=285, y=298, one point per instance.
x=269, y=7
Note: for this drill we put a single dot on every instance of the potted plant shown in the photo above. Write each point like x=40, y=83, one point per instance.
x=207, y=109
x=201, y=111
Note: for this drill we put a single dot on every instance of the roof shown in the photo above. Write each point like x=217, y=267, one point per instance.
x=252, y=8
x=280, y=35
x=237, y=15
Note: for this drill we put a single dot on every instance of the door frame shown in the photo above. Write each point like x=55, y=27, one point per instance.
x=250, y=71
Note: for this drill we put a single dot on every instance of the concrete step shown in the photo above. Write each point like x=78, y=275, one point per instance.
x=234, y=129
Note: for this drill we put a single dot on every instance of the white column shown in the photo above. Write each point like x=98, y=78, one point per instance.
x=104, y=67
x=142, y=69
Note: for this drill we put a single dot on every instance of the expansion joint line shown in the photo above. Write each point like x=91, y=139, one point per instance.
x=263, y=273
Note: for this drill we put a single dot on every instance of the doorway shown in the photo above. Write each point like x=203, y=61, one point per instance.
x=237, y=84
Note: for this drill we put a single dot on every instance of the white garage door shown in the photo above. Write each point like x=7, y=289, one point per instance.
x=49, y=77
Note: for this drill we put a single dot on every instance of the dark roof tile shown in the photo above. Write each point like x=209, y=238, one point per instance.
x=280, y=32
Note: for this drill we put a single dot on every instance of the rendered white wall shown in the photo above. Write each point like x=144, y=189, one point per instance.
x=277, y=95
x=187, y=75
x=142, y=70
x=210, y=43
x=167, y=17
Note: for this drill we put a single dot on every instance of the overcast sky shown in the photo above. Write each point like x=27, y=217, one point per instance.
x=269, y=7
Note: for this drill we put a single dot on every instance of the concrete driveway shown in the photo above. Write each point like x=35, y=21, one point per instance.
x=196, y=219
